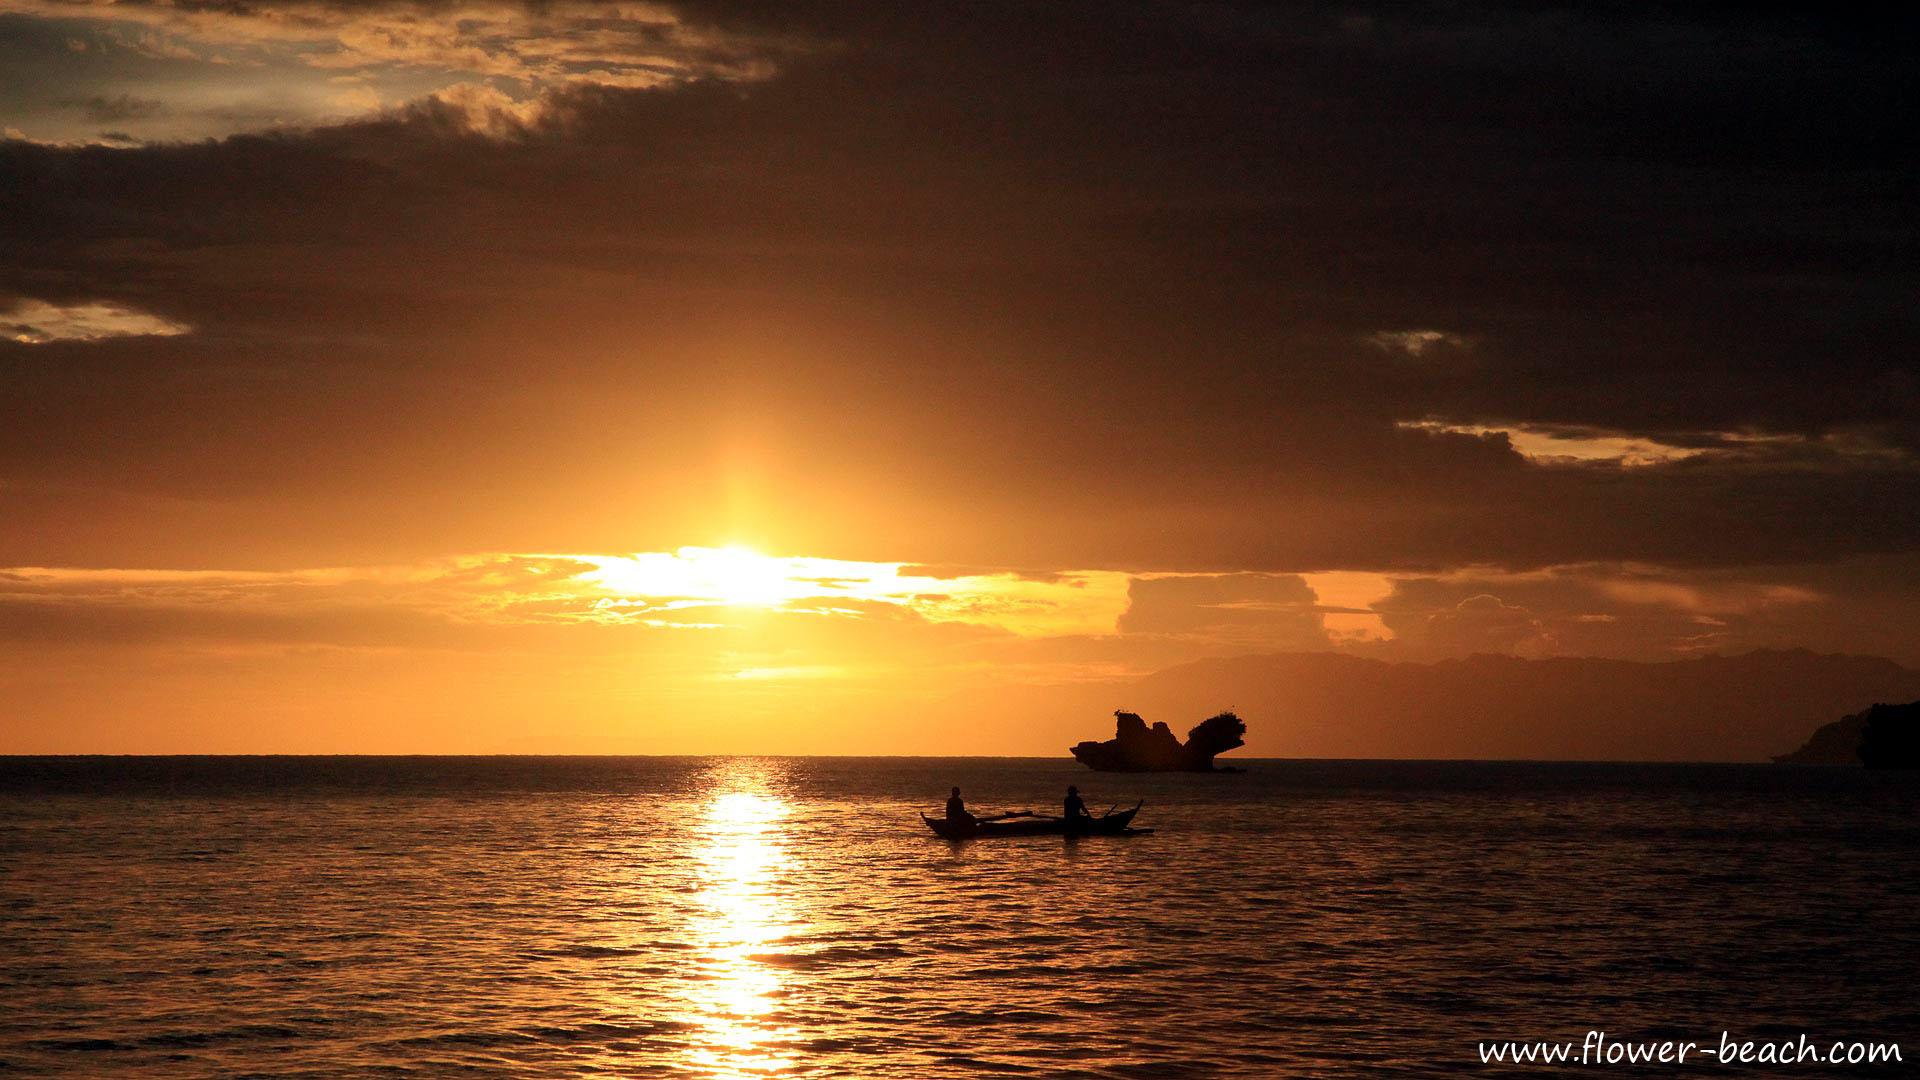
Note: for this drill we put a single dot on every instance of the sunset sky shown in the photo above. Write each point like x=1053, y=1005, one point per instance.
x=730, y=376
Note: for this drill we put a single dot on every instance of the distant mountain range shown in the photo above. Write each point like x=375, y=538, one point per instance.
x=1749, y=707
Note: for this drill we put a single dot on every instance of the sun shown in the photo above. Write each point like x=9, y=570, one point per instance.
x=730, y=576
x=739, y=576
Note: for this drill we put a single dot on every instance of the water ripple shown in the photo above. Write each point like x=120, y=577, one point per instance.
x=766, y=917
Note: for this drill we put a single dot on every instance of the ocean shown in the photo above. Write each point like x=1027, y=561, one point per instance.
x=792, y=917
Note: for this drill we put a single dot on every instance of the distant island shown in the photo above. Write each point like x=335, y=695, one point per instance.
x=1746, y=707
x=1882, y=737
x=1138, y=748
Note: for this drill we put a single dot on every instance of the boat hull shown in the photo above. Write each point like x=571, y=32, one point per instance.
x=1115, y=824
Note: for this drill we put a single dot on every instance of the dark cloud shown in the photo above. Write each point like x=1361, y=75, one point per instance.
x=107, y=110
x=1017, y=285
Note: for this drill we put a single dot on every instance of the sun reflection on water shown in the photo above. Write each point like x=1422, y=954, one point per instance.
x=741, y=915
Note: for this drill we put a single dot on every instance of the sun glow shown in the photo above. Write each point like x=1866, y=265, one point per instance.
x=646, y=584
x=731, y=576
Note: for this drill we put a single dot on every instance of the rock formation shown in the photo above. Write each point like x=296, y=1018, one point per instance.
x=1138, y=748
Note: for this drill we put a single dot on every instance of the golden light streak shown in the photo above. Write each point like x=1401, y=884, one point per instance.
x=742, y=914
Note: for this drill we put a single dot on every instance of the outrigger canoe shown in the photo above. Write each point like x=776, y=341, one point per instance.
x=1112, y=823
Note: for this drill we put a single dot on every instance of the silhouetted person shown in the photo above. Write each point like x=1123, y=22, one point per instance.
x=957, y=808
x=1077, y=817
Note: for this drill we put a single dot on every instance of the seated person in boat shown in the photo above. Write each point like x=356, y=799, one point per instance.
x=957, y=808
x=1077, y=815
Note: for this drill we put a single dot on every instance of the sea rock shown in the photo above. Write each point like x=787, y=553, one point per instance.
x=1138, y=748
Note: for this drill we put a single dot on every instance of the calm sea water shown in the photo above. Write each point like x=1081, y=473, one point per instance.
x=792, y=917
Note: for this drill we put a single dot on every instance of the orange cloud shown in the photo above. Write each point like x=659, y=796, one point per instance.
x=249, y=67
